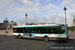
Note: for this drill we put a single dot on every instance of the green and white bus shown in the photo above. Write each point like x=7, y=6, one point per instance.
x=45, y=32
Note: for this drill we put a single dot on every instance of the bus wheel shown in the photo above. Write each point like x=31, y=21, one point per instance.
x=46, y=39
x=19, y=37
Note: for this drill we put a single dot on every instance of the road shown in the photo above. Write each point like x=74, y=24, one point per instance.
x=12, y=43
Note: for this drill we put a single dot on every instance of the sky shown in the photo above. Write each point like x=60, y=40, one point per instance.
x=38, y=11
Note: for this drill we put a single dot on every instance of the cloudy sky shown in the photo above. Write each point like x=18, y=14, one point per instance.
x=39, y=11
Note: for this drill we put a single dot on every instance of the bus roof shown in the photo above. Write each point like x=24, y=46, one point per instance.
x=36, y=26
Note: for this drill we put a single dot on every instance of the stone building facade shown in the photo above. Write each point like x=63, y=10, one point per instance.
x=74, y=20
x=2, y=26
x=10, y=25
x=7, y=25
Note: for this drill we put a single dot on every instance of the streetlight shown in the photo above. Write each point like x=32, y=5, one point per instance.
x=26, y=18
x=65, y=13
x=5, y=24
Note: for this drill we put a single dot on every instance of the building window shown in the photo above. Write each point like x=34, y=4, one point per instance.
x=10, y=27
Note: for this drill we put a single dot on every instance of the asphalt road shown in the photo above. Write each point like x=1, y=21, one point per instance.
x=12, y=43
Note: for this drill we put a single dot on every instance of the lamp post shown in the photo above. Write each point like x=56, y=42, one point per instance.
x=65, y=13
x=5, y=24
x=26, y=18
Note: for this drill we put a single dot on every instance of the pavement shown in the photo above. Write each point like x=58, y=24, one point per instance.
x=12, y=43
x=70, y=38
x=6, y=34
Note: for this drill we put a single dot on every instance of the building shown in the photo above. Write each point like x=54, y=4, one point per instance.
x=74, y=20
x=72, y=28
x=2, y=26
x=9, y=25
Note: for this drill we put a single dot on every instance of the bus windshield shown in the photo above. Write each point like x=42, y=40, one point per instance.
x=62, y=29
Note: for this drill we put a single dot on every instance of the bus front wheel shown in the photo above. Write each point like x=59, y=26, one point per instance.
x=46, y=39
x=19, y=37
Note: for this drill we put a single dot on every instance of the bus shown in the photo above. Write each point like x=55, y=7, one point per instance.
x=45, y=32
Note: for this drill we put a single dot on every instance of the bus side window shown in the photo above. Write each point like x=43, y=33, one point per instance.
x=38, y=30
x=47, y=30
x=14, y=30
x=23, y=30
x=19, y=30
x=31, y=30
x=35, y=31
x=51, y=31
x=26, y=30
x=55, y=30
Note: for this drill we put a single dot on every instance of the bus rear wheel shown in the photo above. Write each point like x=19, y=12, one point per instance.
x=46, y=39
